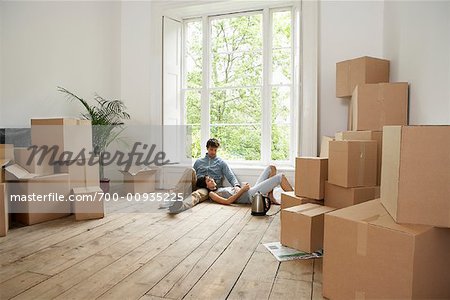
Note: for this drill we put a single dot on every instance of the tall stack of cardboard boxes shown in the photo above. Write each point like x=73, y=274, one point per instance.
x=396, y=246
x=6, y=155
x=69, y=173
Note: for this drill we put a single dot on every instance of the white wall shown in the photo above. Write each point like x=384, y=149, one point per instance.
x=48, y=44
x=417, y=41
x=347, y=29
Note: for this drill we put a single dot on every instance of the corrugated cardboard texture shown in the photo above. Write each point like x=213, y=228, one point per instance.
x=88, y=210
x=7, y=151
x=378, y=105
x=288, y=199
x=353, y=163
x=4, y=219
x=310, y=176
x=340, y=197
x=302, y=227
x=416, y=178
x=380, y=259
x=360, y=70
x=365, y=136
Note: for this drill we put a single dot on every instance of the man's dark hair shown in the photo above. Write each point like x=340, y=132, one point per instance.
x=213, y=143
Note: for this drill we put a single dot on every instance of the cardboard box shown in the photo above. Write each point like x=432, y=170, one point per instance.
x=351, y=73
x=365, y=136
x=288, y=199
x=32, y=163
x=310, y=176
x=81, y=174
x=369, y=256
x=353, y=163
x=88, y=203
x=4, y=217
x=415, y=178
x=139, y=180
x=3, y=163
x=378, y=105
x=302, y=226
x=70, y=135
x=7, y=151
x=24, y=185
x=340, y=197
x=324, y=146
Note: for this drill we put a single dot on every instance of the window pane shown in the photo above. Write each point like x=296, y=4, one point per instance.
x=236, y=106
x=237, y=69
x=281, y=29
x=193, y=54
x=236, y=44
x=281, y=135
x=193, y=107
x=194, y=142
x=238, y=142
x=281, y=66
x=281, y=105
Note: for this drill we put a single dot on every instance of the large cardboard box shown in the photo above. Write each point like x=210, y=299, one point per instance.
x=139, y=180
x=70, y=135
x=32, y=163
x=365, y=136
x=302, y=226
x=415, y=178
x=353, y=72
x=377, y=105
x=88, y=203
x=340, y=197
x=81, y=173
x=288, y=199
x=353, y=163
x=4, y=217
x=3, y=163
x=310, y=176
x=46, y=196
x=369, y=256
x=7, y=151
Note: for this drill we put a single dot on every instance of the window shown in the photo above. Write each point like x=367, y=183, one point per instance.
x=238, y=84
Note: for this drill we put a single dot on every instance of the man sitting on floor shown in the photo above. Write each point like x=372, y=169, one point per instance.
x=210, y=165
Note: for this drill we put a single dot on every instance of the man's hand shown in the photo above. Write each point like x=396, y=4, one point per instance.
x=246, y=187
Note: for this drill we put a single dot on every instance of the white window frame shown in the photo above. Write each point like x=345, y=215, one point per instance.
x=266, y=141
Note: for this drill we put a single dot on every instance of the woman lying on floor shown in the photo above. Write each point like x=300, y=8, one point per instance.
x=265, y=184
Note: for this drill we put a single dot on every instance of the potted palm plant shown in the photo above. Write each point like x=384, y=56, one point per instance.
x=107, y=123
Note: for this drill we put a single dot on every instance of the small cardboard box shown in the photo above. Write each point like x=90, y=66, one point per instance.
x=88, y=203
x=6, y=152
x=70, y=135
x=32, y=163
x=365, y=136
x=139, y=180
x=4, y=217
x=415, y=178
x=310, y=176
x=340, y=197
x=378, y=105
x=369, y=256
x=324, y=146
x=350, y=73
x=302, y=226
x=81, y=173
x=3, y=163
x=46, y=195
x=288, y=199
x=353, y=163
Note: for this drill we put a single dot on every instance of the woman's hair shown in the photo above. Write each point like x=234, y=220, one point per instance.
x=201, y=182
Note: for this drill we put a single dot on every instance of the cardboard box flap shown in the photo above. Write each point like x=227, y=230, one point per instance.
x=302, y=208
x=60, y=121
x=19, y=172
x=133, y=171
x=318, y=211
x=4, y=162
x=386, y=221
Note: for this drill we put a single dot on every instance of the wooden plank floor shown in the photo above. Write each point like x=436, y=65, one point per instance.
x=210, y=252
